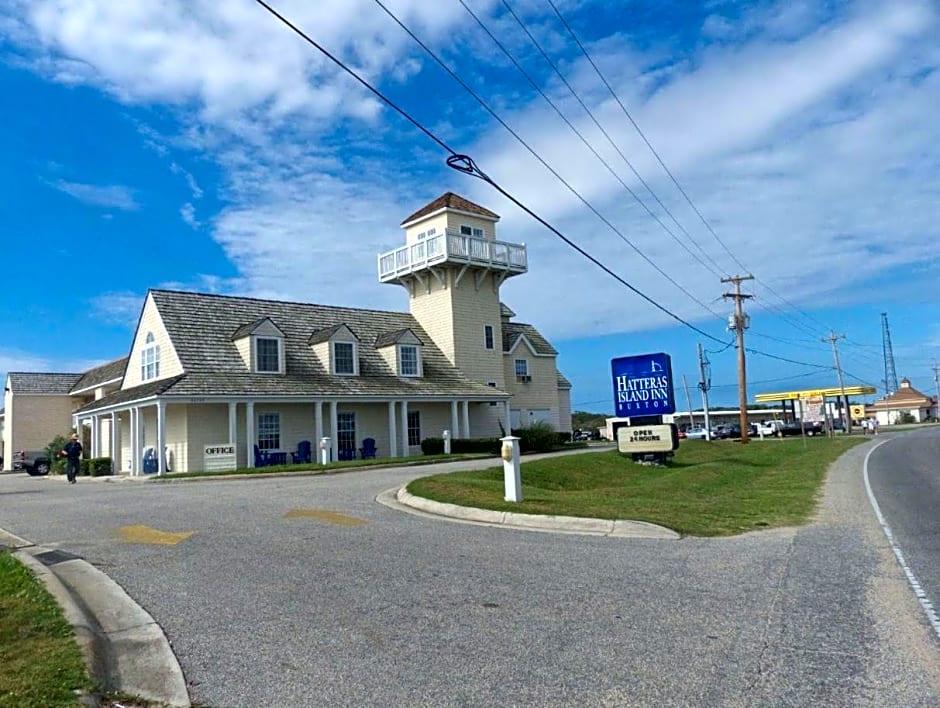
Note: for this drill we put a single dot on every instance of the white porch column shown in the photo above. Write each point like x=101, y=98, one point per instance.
x=404, y=429
x=466, y=418
x=334, y=442
x=250, y=432
x=454, y=425
x=318, y=424
x=115, y=443
x=232, y=423
x=95, y=431
x=136, y=442
x=507, y=422
x=392, y=432
x=161, y=437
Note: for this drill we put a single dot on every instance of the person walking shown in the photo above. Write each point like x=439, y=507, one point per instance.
x=72, y=452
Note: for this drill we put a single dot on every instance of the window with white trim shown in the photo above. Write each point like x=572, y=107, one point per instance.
x=267, y=355
x=522, y=369
x=344, y=358
x=471, y=231
x=408, y=362
x=269, y=431
x=414, y=428
x=488, y=339
x=150, y=359
x=346, y=431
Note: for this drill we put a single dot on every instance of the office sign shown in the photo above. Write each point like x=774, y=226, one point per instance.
x=217, y=458
x=647, y=438
x=643, y=385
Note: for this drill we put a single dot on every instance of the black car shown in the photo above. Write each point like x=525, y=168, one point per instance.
x=797, y=428
x=725, y=432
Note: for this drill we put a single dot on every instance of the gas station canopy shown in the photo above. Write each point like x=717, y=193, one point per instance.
x=826, y=392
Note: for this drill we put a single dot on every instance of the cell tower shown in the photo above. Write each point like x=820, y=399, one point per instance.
x=891, y=376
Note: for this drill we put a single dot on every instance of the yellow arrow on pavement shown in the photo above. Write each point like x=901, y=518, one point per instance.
x=147, y=534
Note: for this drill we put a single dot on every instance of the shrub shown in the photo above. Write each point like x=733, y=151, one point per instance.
x=435, y=446
x=538, y=437
x=52, y=451
x=97, y=466
x=906, y=418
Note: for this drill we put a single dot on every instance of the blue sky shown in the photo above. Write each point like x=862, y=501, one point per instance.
x=202, y=146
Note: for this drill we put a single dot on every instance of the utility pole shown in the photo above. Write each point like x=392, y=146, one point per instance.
x=740, y=323
x=688, y=397
x=704, y=384
x=846, y=418
x=936, y=382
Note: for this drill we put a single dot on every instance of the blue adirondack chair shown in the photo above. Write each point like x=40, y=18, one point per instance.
x=302, y=454
x=261, y=460
x=368, y=448
x=347, y=453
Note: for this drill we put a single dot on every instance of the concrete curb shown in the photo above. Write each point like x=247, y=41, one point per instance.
x=124, y=648
x=533, y=522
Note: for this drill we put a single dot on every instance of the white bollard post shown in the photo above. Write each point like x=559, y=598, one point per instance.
x=324, y=451
x=446, y=436
x=512, y=477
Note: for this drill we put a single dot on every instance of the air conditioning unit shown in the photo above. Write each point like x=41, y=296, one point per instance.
x=524, y=378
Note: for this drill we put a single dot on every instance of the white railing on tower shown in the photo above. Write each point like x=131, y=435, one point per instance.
x=455, y=247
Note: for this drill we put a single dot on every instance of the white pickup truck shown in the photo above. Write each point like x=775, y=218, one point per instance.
x=767, y=428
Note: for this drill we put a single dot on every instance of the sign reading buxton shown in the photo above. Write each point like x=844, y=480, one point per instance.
x=643, y=385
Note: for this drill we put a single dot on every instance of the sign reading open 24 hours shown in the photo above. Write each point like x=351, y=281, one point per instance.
x=643, y=385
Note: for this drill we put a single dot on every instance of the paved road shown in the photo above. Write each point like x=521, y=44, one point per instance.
x=905, y=481
x=308, y=610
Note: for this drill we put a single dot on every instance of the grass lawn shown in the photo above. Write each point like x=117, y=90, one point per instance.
x=331, y=467
x=708, y=489
x=40, y=663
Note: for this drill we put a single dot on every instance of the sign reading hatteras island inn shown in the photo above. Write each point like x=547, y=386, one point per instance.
x=643, y=385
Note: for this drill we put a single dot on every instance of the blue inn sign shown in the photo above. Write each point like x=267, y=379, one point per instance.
x=643, y=385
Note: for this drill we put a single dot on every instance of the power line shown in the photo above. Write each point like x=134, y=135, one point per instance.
x=659, y=159
x=466, y=87
x=714, y=267
x=465, y=164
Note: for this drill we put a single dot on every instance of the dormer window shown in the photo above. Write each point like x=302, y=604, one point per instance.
x=344, y=358
x=150, y=359
x=409, y=360
x=268, y=358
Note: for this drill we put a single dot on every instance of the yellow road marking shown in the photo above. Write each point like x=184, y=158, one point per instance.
x=147, y=534
x=333, y=517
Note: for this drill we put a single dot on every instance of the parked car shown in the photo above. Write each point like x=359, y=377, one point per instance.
x=767, y=428
x=697, y=434
x=34, y=463
x=797, y=428
x=726, y=432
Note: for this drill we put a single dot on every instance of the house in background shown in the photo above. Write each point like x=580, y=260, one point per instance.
x=261, y=376
x=40, y=406
x=906, y=399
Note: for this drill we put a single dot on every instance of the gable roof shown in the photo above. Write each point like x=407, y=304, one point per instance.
x=200, y=327
x=325, y=334
x=247, y=329
x=512, y=331
x=112, y=371
x=386, y=339
x=36, y=383
x=449, y=200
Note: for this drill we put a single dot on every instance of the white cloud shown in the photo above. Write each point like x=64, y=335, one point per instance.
x=112, y=196
x=811, y=148
x=120, y=308
x=188, y=215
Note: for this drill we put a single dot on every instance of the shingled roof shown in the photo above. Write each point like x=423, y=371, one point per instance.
x=112, y=371
x=512, y=331
x=35, y=383
x=450, y=200
x=200, y=327
x=906, y=397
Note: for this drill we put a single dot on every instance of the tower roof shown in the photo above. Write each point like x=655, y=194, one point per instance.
x=449, y=200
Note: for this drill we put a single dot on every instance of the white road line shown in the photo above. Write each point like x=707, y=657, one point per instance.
x=911, y=578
